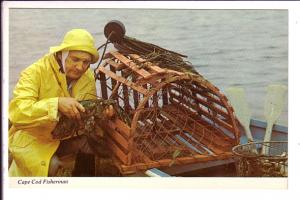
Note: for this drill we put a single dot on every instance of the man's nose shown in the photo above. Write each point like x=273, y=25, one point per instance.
x=80, y=66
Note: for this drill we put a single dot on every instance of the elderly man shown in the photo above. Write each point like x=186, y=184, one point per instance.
x=46, y=89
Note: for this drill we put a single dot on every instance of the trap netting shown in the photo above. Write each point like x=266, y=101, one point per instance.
x=167, y=117
x=272, y=164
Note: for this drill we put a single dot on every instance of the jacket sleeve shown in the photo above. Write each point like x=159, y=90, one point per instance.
x=26, y=109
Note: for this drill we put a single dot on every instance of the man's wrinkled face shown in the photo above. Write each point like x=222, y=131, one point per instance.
x=76, y=64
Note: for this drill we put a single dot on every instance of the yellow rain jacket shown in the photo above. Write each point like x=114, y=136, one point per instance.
x=33, y=112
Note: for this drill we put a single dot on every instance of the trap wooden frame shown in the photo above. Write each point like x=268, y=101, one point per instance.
x=172, y=117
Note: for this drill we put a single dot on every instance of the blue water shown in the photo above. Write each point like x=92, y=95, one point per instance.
x=246, y=48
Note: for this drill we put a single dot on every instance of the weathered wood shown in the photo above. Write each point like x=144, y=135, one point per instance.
x=135, y=94
x=152, y=79
x=118, y=152
x=164, y=95
x=124, y=81
x=166, y=162
x=205, y=158
x=113, y=81
x=103, y=85
x=127, y=106
x=117, y=66
x=146, y=95
x=114, y=84
x=130, y=64
x=119, y=139
x=155, y=100
x=120, y=126
x=148, y=64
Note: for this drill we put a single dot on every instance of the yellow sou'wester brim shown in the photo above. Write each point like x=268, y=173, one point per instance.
x=92, y=51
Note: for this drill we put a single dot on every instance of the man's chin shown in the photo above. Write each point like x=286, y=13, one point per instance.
x=74, y=77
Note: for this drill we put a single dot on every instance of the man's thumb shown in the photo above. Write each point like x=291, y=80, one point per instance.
x=80, y=107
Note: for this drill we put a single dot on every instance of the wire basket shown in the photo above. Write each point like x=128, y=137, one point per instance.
x=250, y=163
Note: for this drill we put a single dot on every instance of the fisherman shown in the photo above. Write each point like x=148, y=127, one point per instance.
x=47, y=89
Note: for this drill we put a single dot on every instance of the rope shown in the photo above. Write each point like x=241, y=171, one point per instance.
x=105, y=46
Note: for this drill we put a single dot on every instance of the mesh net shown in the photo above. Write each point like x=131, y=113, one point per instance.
x=273, y=164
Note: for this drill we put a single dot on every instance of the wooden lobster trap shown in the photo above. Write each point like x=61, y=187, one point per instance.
x=170, y=117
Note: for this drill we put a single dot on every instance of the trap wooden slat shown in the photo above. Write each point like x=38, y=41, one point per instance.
x=124, y=81
x=118, y=152
x=150, y=65
x=103, y=85
x=126, y=97
x=135, y=94
x=130, y=64
x=117, y=66
x=146, y=95
x=121, y=127
x=166, y=162
x=118, y=138
x=164, y=95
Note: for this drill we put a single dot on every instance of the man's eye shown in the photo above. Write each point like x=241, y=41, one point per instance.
x=75, y=59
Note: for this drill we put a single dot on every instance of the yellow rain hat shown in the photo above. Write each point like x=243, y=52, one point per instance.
x=80, y=40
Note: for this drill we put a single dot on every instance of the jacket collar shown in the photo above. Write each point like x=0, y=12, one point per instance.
x=59, y=75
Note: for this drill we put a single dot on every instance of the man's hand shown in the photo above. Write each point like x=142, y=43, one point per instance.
x=70, y=107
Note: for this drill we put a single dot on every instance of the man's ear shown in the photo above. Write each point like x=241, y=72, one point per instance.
x=58, y=55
